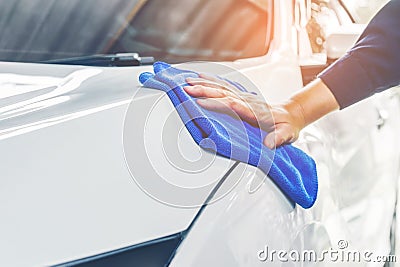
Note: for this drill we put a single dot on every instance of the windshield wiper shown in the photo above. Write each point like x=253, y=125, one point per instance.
x=105, y=60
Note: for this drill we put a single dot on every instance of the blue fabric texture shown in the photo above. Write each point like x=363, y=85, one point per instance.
x=292, y=170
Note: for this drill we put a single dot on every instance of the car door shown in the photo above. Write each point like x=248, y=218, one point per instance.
x=363, y=146
x=357, y=189
x=256, y=219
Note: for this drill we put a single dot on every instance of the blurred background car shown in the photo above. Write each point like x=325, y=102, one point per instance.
x=68, y=118
x=363, y=11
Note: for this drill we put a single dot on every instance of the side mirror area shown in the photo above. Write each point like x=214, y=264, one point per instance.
x=337, y=42
x=341, y=39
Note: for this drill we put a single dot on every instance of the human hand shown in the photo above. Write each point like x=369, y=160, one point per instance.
x=283, y=122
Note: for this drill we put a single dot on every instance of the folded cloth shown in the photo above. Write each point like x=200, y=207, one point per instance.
x=292, y=170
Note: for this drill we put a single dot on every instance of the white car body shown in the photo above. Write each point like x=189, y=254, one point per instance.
x=67, y=194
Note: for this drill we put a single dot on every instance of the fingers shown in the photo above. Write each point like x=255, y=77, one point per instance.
x=216, y=95
x=206, y=92
x=229, y=105
x=201, y=91
x=280, y=134
x=214, y=79
x=283, y=134
x=206, y=83
x=210, y=81
x=245, y=106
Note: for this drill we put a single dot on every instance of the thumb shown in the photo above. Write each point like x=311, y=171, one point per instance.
x=283, y=134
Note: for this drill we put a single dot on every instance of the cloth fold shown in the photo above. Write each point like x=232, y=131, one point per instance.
x=292, y=170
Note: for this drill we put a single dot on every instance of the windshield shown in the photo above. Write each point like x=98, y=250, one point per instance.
x=168, y=30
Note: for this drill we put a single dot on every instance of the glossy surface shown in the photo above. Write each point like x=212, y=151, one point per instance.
x=66, y=191
x=357, y=153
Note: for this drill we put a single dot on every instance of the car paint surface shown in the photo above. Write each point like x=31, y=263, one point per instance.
x=67, y=192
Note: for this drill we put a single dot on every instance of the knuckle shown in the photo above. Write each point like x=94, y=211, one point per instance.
x=239, y=95
x=279, y=135
x=232, y=102
x=221, y=93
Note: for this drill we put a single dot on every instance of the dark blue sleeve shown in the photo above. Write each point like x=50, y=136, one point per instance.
x=373, y=64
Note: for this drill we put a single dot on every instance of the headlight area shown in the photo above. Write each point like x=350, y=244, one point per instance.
x=155, y=253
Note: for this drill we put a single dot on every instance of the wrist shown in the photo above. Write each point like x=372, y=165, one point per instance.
x=315, y=101
x=296, y=111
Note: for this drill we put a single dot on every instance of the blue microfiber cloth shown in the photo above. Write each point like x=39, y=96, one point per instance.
x=290, y=168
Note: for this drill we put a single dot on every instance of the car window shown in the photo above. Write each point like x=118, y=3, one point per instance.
x=169, y=30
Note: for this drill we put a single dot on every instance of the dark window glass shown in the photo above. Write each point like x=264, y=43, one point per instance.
x=170, y=30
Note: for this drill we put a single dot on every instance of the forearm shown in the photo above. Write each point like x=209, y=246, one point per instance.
x=313, y=102
x=373, y=64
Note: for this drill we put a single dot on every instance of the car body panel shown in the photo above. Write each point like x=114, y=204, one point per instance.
x=354, y=204
x=357, y=155
x=68, y=191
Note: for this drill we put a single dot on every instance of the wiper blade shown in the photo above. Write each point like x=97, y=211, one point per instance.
x=105, y=60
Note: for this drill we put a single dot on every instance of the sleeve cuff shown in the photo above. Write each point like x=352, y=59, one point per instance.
x=347, y=80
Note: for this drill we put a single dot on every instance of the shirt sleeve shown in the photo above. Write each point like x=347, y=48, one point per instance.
x=373, y=64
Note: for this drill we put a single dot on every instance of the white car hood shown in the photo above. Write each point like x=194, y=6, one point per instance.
x=65, y=190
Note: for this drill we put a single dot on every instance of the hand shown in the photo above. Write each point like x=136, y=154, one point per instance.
x=283, y=121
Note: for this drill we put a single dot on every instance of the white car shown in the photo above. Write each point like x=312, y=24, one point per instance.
x=80, y=137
